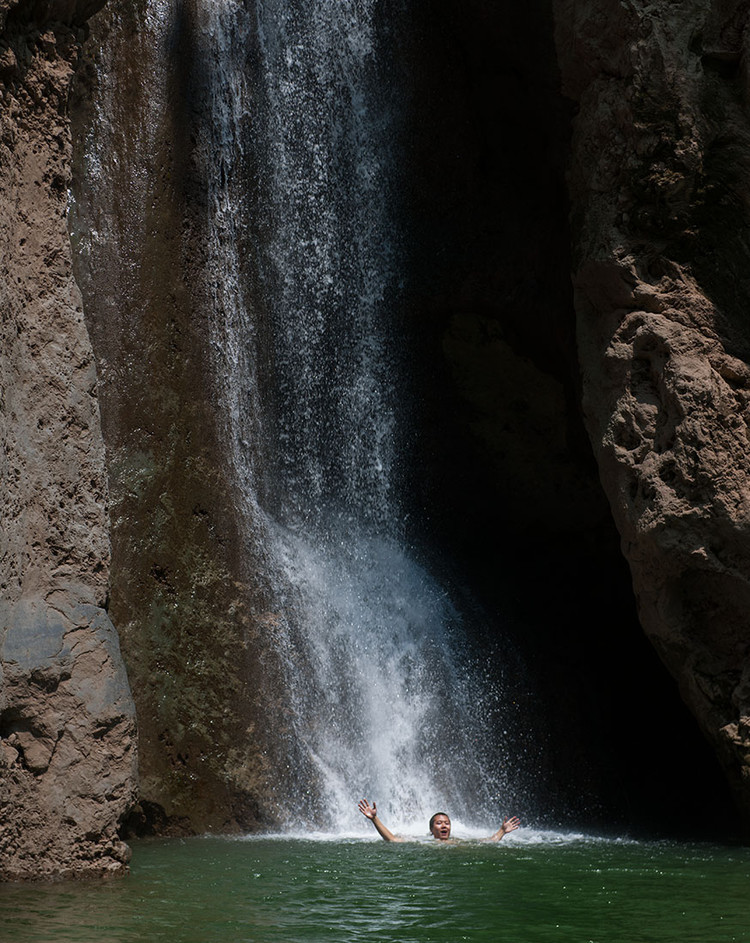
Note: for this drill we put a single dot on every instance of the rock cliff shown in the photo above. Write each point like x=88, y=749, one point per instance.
x=67, y=721
x=658, y=183
x=652, y=339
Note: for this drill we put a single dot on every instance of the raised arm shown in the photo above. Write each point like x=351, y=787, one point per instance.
x=509, y=825
x=371, y=812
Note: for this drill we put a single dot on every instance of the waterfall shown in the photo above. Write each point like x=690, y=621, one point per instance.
x=302, y=149
x=330, y=272
x=380, y=697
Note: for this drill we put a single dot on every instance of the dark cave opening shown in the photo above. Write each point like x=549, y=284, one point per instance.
x=504, y=472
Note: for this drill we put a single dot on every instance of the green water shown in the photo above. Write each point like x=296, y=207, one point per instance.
x=264, y=890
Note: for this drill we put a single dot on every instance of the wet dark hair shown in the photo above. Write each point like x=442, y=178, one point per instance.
x=432, y=820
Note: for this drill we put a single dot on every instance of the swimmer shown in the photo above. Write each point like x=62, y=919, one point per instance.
x=440, y=825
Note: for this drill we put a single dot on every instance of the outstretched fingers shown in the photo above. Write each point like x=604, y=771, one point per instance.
x=369, y=811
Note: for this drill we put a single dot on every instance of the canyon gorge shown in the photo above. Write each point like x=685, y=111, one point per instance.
x=357, y=355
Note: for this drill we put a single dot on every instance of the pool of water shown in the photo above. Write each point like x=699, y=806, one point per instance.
x=532, y=889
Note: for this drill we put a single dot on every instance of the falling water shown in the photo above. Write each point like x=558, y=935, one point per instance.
x=305, y=252
x=330, y=272
x=377, y=677
x=378, y=696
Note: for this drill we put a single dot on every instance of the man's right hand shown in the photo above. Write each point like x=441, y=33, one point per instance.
x=369, y=811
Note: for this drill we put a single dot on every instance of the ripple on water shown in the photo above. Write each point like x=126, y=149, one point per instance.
x=266, y=890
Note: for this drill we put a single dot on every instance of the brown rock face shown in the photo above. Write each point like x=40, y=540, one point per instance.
x=67, y=723
x=185, y=592
x=658, y=182
x=67, y=742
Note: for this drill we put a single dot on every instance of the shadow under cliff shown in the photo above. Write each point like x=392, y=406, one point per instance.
x=503, y=465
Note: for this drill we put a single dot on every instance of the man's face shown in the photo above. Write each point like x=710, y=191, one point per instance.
x=441, y=827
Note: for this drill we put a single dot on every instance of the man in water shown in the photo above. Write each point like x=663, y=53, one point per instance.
x=440, y=825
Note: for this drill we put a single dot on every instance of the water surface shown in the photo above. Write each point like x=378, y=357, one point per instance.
x=537, y=888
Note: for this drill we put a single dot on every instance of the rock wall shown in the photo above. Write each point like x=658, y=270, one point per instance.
x=656, y=179
x=658, y=182
x=187, y=591
x=67, y=721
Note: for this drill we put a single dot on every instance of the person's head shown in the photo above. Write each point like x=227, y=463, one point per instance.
x=440, y=826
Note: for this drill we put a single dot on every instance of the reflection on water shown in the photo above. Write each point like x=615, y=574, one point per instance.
x=534, y=888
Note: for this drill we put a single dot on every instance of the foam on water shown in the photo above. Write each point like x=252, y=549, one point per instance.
x=461, y=833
